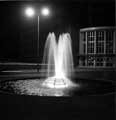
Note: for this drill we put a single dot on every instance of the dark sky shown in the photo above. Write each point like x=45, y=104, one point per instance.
x=18, y=34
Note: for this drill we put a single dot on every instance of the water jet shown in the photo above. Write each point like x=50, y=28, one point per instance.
x=59, y=60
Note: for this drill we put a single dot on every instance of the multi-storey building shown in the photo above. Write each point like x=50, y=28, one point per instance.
x=97, y=47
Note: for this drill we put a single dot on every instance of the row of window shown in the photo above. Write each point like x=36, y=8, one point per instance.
x=97, y=35
x=100, y=47
x=97, y=61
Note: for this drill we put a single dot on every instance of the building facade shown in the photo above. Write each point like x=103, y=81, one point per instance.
x=97, y=47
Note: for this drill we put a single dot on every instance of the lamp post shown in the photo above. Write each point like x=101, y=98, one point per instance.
x=30, y=12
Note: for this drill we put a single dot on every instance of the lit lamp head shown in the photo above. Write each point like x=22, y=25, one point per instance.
x=45, y=11
x=29, y=12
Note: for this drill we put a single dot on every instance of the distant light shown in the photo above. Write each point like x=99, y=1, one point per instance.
x=45, y=11
x=30, y=12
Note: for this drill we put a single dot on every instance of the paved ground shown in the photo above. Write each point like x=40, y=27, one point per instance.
x=14, y=107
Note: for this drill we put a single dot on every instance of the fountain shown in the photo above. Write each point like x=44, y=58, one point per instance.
x=57, y=68
x=58, y=61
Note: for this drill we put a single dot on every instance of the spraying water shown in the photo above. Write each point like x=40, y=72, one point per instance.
x=58, y=60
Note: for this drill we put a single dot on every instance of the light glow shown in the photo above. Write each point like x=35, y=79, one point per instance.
x=45, y=11
x=30, y=12
x=53, y=82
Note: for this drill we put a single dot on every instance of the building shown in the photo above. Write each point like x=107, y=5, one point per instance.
x=97, y=47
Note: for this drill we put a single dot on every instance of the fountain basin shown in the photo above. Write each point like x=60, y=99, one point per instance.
x=34, y=87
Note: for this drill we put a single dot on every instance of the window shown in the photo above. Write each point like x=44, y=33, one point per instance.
x=90, y=61
x=99, y=35
x=99, y=42
x=99, y=47
x=90, y=36
x=109, y=47
x=109, y=61
x=109, y=41
x=99, y=61
x=109, y=35
x=90, y=44
x=90, y=48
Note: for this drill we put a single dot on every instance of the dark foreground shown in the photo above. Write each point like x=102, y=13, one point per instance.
x=16, y=107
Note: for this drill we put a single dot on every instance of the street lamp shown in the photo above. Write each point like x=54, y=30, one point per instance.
x=45, y=11
x=30, y=12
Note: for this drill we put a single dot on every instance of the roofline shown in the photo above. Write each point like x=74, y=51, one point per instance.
x=97, y=28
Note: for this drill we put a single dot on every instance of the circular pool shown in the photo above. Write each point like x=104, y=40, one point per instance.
x=34, y=87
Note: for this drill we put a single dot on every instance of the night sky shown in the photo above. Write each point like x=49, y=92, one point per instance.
x=18, y=34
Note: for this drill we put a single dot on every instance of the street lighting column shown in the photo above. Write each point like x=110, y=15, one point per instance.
x=38, y=39
x=30, y=13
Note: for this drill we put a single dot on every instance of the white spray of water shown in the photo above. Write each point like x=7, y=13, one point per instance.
x=59, y=61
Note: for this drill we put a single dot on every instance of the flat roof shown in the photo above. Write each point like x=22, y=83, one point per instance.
x=97, y=28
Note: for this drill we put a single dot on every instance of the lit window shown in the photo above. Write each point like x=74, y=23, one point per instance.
x=90, y=61
x=100, y=36
x=90, y=36
x=99, y=47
